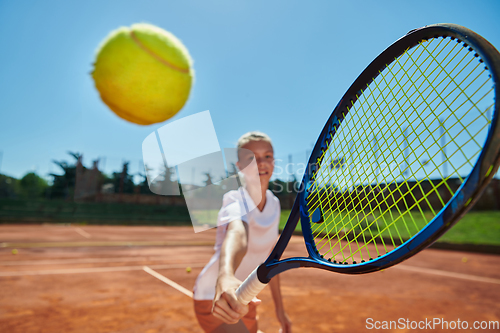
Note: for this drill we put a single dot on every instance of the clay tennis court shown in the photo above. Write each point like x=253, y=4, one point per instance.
x=68, y=278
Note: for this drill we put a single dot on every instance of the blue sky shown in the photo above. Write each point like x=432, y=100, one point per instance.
x=275, y=66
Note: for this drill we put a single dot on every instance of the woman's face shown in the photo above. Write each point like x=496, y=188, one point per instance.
x=264, y=158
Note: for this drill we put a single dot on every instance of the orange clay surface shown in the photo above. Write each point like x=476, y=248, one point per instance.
x=68, y=278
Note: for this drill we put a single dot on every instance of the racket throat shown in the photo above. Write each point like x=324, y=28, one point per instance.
x=263, y=274
x=287, y=232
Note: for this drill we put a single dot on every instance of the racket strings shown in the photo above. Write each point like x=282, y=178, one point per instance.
x=382, y=192
x=405, y=224
x=379, y=207
x=381, y=180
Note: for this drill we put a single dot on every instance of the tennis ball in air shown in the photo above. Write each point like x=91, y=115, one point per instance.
x=14, y=251
x=143, y=73
x=188, y=269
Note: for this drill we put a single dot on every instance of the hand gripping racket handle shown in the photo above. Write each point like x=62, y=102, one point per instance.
x=250, y=288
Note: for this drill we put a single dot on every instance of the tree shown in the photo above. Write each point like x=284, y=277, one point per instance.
x=208, y=181
x=64, y=185
x=32, y=186
x=122, y=181
x=163, y=184
x=9, y=186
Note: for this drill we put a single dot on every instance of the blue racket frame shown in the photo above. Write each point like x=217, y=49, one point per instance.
x=464, y=198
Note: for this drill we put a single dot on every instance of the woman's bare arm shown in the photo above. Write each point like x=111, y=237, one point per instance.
x=226, y=306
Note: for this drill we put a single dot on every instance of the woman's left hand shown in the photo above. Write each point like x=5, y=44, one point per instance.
x=286, y=324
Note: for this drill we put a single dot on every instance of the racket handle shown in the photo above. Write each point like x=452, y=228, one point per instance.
x=250, y=288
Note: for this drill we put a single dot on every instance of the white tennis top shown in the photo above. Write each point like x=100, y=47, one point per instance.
x=262, y=235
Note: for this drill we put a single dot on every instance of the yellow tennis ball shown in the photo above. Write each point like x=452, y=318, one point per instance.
x=14, y=251
x=188, y=269
x=143, y=73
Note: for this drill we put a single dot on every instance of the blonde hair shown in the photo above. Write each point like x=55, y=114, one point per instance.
x=252, y=136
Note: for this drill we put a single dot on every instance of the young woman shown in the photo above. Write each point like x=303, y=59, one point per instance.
x=243, y=242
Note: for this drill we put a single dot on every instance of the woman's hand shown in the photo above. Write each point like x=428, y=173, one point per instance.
x=226, y=306
x=286, y=324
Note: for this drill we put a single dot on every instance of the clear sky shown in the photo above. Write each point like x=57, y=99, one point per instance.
x=279, y=66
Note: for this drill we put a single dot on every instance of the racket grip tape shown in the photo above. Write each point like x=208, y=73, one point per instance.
x=250, y=288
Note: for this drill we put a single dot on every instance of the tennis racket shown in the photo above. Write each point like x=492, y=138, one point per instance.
x=404, y=155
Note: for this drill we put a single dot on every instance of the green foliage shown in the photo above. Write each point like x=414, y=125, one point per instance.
x=476, y=227
x=62, y=211
x=63, y=186
x=282, y=188
x=9, y=187
x=162, y=184
x=32, y=186
x=123, y=181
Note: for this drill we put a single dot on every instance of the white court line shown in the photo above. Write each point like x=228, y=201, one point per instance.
x=82, y=232
x=103, y=243
x=80, y=260
x=168, y=281
x=448, y=274
x=93, y=270
x=173, y=266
